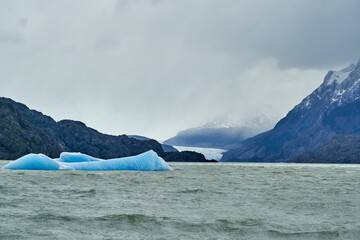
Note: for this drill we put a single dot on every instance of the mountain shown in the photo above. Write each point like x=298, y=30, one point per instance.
x=24, y=131
x=165, y=147
x=18, y=136
x=328, y=112
x=221, y=133
x=187, y=156
x=340, y=149
x=344, y=147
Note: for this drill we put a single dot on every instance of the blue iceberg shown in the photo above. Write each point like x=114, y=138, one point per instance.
x=36, y=162
x=147, y=161
x=70, y=157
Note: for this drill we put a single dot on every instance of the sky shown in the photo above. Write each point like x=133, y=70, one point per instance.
x=156, y=67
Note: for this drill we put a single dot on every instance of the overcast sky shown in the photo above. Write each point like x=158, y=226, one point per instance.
x=157, y=67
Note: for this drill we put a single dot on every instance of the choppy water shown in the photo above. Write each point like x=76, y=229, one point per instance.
x=195, y=201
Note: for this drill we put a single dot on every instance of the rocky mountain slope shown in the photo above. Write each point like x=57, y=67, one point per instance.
x=340, y=149
x=331, y=110
x=166, y=148
x=24, y=131
x=18, y=136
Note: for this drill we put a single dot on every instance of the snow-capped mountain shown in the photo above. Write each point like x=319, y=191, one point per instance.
x=307, y=126
x=257, y=123
x=338, y=88
x=222, y=133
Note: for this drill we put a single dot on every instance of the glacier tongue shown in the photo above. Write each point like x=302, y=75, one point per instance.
x=147, y=161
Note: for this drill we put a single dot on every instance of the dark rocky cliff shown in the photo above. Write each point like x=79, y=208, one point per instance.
x=18, y=136
x=340, y=149
x=24, y=131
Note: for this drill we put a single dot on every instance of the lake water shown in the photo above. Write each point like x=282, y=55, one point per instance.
x=195, y=201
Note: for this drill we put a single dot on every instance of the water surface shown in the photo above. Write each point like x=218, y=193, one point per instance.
x=195, y=201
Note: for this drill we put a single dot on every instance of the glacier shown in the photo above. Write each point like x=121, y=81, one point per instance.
x=147, y=161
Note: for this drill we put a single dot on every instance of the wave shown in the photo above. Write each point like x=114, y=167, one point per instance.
x=51, y=217
x=196, y=190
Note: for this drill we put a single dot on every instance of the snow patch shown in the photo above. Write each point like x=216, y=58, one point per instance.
x=339, y=76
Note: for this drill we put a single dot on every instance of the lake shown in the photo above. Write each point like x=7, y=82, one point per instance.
x=195, y=201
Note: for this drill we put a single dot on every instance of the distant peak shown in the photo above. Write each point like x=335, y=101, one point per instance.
x=339, y=76
x=260, y=121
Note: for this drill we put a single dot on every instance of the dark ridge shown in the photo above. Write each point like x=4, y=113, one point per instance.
x=24, y=131
x=185, y=156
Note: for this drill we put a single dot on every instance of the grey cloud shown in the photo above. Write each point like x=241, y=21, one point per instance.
x=299, y=34
x=8, y=37
x=157, y=67
x=23, y=22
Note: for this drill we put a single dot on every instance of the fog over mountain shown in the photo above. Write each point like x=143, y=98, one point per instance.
x=223, y=133
x=154, y=68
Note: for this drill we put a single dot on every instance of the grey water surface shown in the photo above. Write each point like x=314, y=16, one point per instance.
x=195, y=201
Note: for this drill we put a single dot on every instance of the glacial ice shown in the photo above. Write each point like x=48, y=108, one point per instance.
x=76, y=157
x=36, y=162
x=147, y=161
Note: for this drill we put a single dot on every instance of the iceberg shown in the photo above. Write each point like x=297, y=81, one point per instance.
x=147, y=161
x=76, y=157
x=36, y=162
